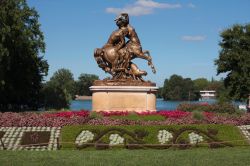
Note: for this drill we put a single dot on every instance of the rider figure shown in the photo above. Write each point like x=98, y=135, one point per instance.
x=117, y=39
x=133, y=45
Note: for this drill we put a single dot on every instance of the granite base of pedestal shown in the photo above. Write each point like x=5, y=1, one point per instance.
x=123, y=98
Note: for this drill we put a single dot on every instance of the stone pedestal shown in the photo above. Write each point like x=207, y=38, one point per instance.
x=124, y=98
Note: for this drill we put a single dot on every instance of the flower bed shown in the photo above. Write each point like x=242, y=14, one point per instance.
x=31, y=119
x=156, y=137
x=30, y=138
x=59, y=119
x=68, y=114
x=165, y=113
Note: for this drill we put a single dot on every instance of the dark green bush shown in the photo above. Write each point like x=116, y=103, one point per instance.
x=95, y=115
x=219, y=108
x=140, y=117
x=197, y=115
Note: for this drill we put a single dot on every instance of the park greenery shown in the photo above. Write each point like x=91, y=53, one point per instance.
x=83, y=83
x=234, y=60
x=58, y=91
x=62, y=88
x=22, y=67
x=190, y=157
x=134, y=134
x=194, y=127
x=186, y=89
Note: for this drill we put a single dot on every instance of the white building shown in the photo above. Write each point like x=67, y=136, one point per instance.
x=207, y=94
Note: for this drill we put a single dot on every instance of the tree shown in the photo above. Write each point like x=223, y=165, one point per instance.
x=159, y=92
x=63, y=78
x=234, y=60
x=221, y=92
x=59, y=90
x=178, y=88
x=21, y=67
x=83, y=84
x=200, y=84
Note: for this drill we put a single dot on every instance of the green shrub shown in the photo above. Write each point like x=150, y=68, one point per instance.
x=197, y=115
x=218, y=108
x=140, y=117
x=95, y=115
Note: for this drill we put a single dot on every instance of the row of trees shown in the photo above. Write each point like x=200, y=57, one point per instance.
x=179, y=88
x=62, y=88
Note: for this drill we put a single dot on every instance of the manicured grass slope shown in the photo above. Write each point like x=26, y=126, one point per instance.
x=225, y=133
x=191, y=157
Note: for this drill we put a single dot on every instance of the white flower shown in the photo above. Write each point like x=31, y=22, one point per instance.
x=115, y=139
x=195, y=138
x=164, y=136
x=84, y=137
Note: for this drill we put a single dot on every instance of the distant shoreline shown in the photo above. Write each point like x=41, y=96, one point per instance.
x=83, y=97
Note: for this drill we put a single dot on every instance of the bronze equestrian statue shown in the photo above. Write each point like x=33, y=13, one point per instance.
x=116, y=56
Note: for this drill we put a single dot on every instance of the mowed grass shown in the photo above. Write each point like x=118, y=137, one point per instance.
x=138, y=117
x=239, y=156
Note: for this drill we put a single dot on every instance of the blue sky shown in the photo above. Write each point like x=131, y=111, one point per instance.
x=182, y=35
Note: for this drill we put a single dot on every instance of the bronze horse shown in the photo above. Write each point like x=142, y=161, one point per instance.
x=116, y=55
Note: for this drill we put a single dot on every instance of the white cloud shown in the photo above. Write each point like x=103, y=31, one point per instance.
x=133, y=10
x=142, y=7
x=193, y=38
x=190, y=5
x=153, y=4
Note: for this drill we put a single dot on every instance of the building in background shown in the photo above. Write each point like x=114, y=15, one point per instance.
x=207, y=94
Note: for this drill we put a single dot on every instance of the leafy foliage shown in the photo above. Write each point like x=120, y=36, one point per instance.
x=83, y=83
x=59, y=90
x=234, y=60
x=178, y=88
x=201, y=84
x=219, y=108
x=21, y=68
x=197, y=115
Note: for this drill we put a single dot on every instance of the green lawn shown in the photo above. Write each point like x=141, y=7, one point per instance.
x=142, y=118
x=225, y=133
x=200, y=157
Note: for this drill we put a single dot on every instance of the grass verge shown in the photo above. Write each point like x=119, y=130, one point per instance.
x=140, y=117
x=191, y=157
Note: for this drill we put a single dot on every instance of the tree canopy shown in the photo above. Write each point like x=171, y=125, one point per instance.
x=234, y=60
x=62, y=88
x=178, y=88
x=201, y=84
x=21, y=67
x=83, y=83
x=59, y=90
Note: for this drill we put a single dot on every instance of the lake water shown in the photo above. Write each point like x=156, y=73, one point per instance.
x=160, y=104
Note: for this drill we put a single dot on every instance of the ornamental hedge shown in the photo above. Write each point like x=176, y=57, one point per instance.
x=150, y=137
x=217, y=108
